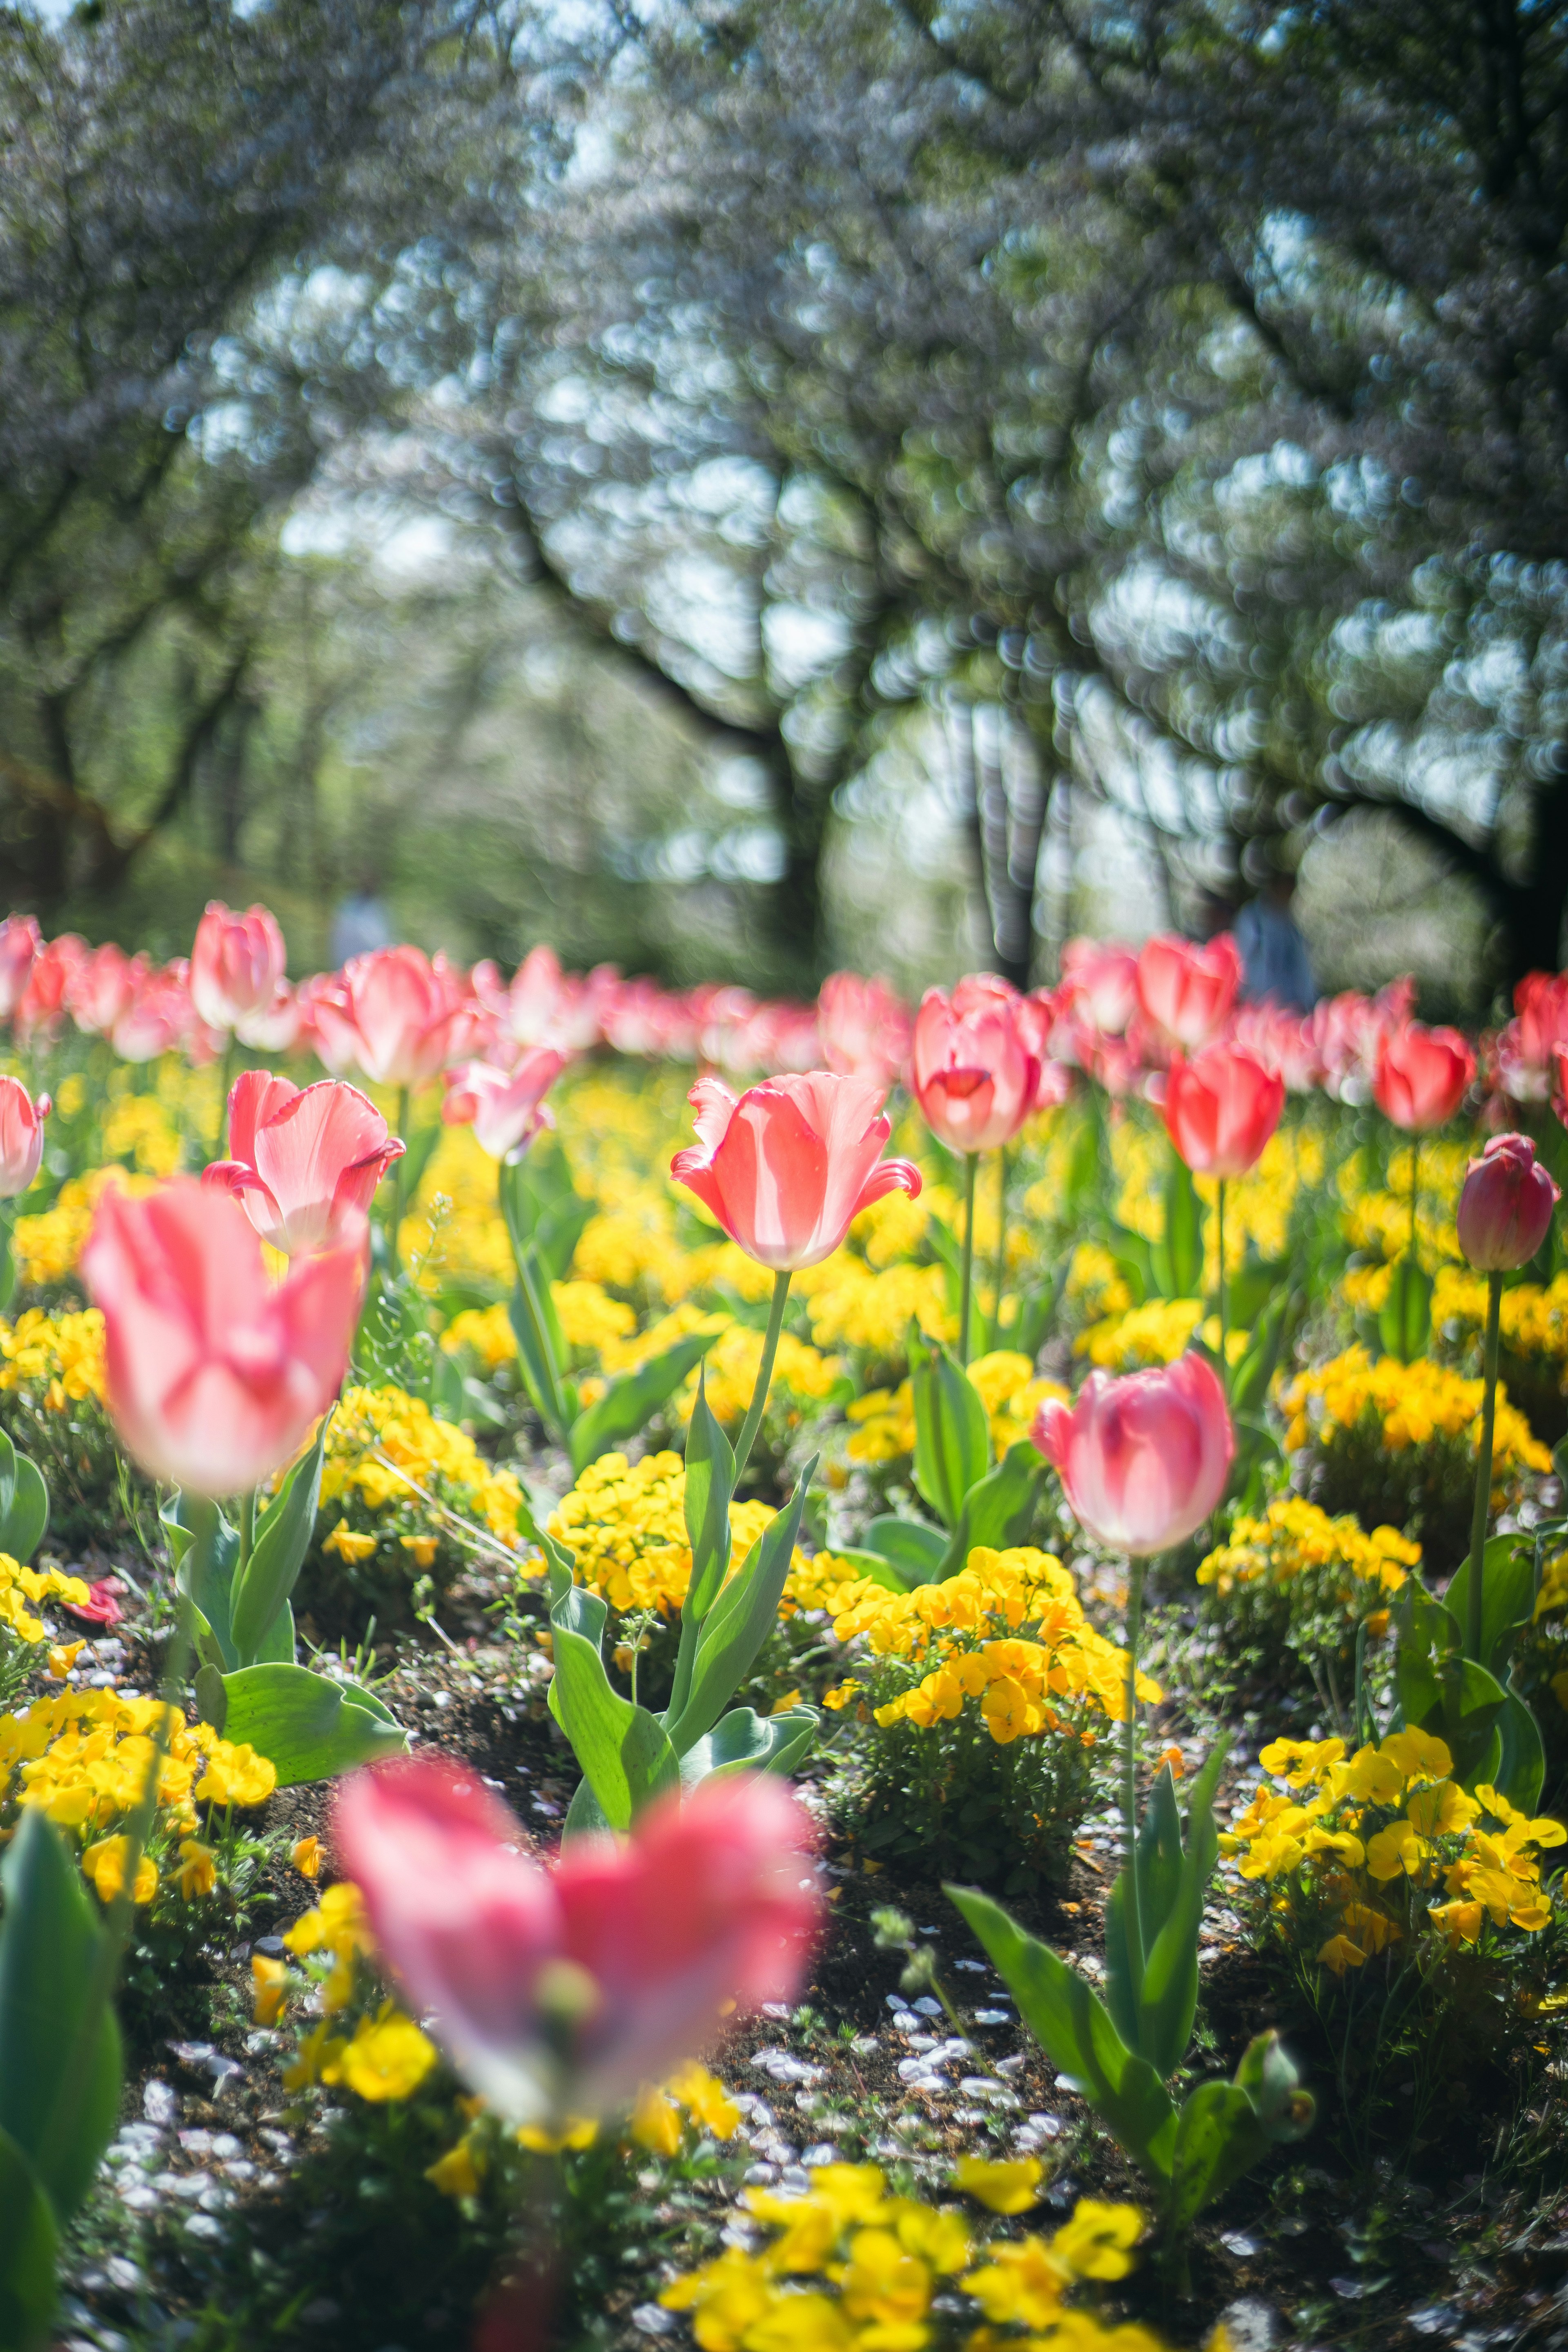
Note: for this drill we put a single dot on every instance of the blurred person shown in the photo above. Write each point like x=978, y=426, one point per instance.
x=1276, y=969
x=360, y=922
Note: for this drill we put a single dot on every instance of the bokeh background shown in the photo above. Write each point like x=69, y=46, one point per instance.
x=742, y=488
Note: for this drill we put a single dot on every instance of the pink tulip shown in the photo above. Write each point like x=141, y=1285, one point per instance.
x=273, y=1027
x=1099, y=981
x=864, y=1025
x=101, y=986
x=101, y=1606
x=971, y=1069
x=304, y=1164
x=40, y=1008
x=21, y=1137
x=392, y=1015
x=237, y=963
x=20, y=940
x=788, y=1167
x=1142, y=1460
x=542, y=1006
x=158, y=1018
x=1540, y=1025
x=1505, y=1205
x=1221, y=1109
x=214, y=1376
x=1421, y=1075
x=506, y=1110
x=1187, y=991
x=561, y=1991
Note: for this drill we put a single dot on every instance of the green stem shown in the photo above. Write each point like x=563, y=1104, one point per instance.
x=754, y=1419
x=1415, y=1190
x=1001, y=1246
x=967, y=1272
x=225, y=1084
x=246, y=1537
x=61, y=2129
x=394, y=1239
x=1224, y=1358
x=1483, y=1471
x=1129, y=1779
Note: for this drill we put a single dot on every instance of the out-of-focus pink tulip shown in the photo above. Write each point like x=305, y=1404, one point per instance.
x=101, y=1606
x=971, y=1069
x=101, y=986
x=542, y=1006
x=1142, y=1460
x=1421, y=1075
x=304, y=1162
x=21, y=1137
x=505, y=1110
x=561, y=1991
x=158, y=1018
x=20, y=940
x=214, y=1376
x=864, y=1025
x=1525, y=1047
x=788, y=1167
x=273, y=1027
x=392, y=1015
x=1505, y=1205
x=41, y=1008
x=1283, y=1041
x=237, y=964
x=1560, y=1082
x=1187, y=991
x=1100, y=980
x=1220, y=1110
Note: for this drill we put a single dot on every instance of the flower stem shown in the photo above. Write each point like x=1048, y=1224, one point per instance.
x=754, y=1419
x=1483, y=1471
x=967, y=1272
x=1001, y=1244
x=226, y=1087
x=395, y=1238
x=1219, y=1211
x=1415, y=1190
x=1129, y=1777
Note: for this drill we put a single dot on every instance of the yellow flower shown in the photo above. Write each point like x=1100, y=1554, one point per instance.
x=63, y=1656
x=1340, y=1954
x=306, y=1856
x=726, y=2298
x=104, y=1864
x=388, y=2058
x=237, y=1776
x=459, y=2172
x=1022, y=2282
x=270, y=1979
x=882, y=2282
x=656, y=2122
x=197, y=1873
x=1420, y=1755
x=349, y=1545
x=1003, y=2187
x=1098, y=2242
x=705, y=2099
x=577, y=2131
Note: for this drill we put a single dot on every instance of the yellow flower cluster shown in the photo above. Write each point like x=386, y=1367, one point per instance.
x=386, y=2056
x=1411, y=1402
x=57, y=1359
x=1534, y=1318
x=853, y=2268
x=1156, y=1333
x=485, y=1330
x=139, y=1128
x=1377, y=1220
x=46, y=1246
x=625, y=1523
x=1008, y=1630
x=23, y=1590
x=851, y=1305
x=382, y=1448
x=84, y=1758
x=883, y=1420
x=731, y=1368
x=1096, y=1286
x=467, y=1239
x=1294, y=1539
x=1391, y=1847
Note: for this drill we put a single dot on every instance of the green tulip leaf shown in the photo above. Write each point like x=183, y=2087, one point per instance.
x=29, y=2253
x=739, y=1622
x=24, y=1503
x=744, y=1741
x=624, y=1750
x=914, y=1551
x=283, y=1533
x=54, y=2047
x=631, y=1401
x=952, y=1435
x=310, y=1727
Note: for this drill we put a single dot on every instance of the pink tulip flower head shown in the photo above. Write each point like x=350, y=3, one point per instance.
x=20, y=940
x=21, y=1137
x=864, y=1026
x=214, y=1376
x=1506, y=1206
x=1142, y=1460
x=505, y=1108
x=788, y=1167
x=305, y=1162
x=156, y=1020
x=561, y=1991
x=41, y=1007
x=1421, y=1076
x=973, y=1068
x=1099, y=981
x=237, y=964
x=392, y=1015
x=1221, y=1109
x=1185, y=991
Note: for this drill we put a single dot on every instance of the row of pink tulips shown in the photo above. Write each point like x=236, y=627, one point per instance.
x=978, y=1060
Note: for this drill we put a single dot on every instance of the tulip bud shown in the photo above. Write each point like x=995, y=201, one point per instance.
x=1505, y=1208
x=21, y=1137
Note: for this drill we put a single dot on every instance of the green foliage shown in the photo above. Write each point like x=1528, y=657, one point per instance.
x=1118, y=2054
x=1485, y=1721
